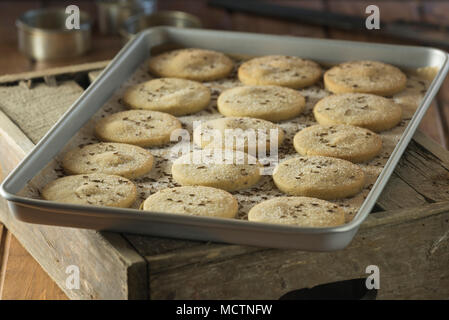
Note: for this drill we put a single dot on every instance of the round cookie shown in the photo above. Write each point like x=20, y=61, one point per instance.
x=271, y=103
x=365, y=77
x=95, y=189
x=193, y=200
x=175, y=96
x=410, y=98
x=298, y=211
x=109, y=158
x=286, y=71
x=213, y=133
x=340, y=141
x=144, y=128
x=224, y=169
x=193, y=64
x=369, y=111
x=319, y=177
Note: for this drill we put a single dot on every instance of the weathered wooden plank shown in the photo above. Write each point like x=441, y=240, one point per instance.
x=149, y=246
x=396, y=191
x=399, y=188
x=412, y=263
x=210, y=252
x=184, y=258
x=71, y=69
x=25, y=279
x=443, y=120
x=31, y=281
x=398, y=216
x=429, y=178
x=98, y=255
x=5, y=238
x=431, y=124
x=432, y=146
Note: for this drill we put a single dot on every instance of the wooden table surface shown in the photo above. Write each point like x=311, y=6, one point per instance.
x=20, y=275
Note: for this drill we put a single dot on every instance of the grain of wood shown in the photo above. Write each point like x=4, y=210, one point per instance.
x=5, y=238
x=412, y=258
x=428, y=178
x=396, y=191
x=431, y=124
x=25, y=279
x=70, y=69
x=433, y=147
x=443, y=111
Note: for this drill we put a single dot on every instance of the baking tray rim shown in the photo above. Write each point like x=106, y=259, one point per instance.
x=149, y=216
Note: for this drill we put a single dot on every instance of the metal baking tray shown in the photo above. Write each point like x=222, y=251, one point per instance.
x=203, y=228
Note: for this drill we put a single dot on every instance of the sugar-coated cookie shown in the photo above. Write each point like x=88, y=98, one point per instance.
x=109, y=158
x=369, y=111
x=319, y=177
x=193, y=200
x=365, y=77
x=193, y=64
x=286, y=71
x=175, y=96
x=93, y=189
x=298, y=211
x=272, y=103
x=224, y=169
x=411, y=97
x=144, y=128
x=340, y=141
x=241, y=131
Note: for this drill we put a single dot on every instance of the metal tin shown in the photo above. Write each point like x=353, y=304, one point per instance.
x=43, y=35
x=205, y=228
x=113, y=13
x=141, y=22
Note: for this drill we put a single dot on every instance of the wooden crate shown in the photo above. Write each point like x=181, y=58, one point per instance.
x=407, y=236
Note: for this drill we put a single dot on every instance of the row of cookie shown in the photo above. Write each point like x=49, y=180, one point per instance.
x=347, y=142
x=316, y=176
x=115, y=191
x=280, y=70
x=208, y=65
x=180, y=97
x=321, y=177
